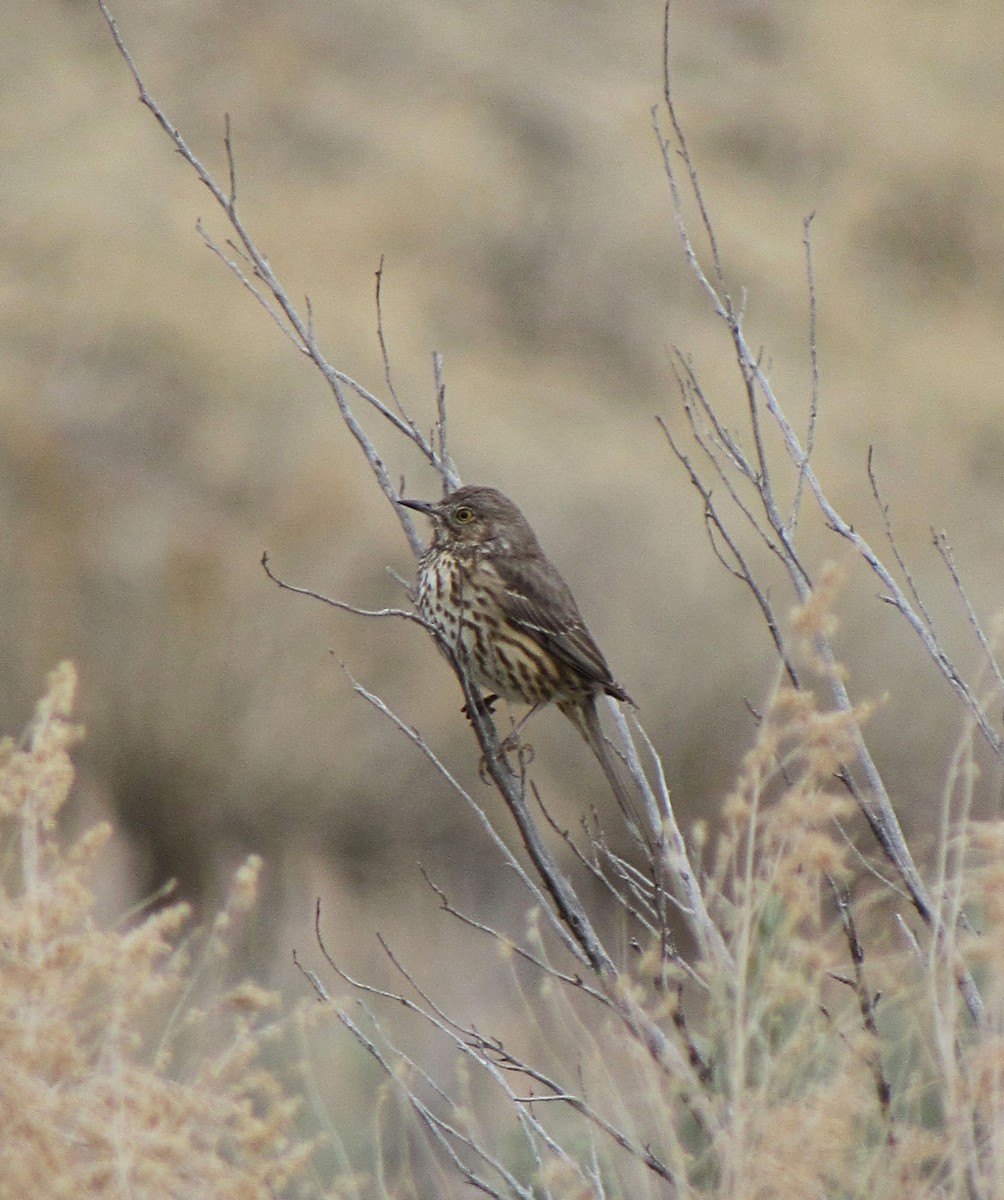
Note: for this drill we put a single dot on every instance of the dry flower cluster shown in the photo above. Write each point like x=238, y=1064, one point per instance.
x=826, y=1051
x=125, y=1070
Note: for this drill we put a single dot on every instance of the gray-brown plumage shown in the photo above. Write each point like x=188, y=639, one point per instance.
x=497, y=601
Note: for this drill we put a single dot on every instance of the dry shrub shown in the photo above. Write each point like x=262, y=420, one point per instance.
x=839, y=1060
x=125, y=1069
x=831, y=1055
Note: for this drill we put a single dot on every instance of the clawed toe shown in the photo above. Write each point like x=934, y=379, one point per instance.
x=523, y=750
x=486, y=704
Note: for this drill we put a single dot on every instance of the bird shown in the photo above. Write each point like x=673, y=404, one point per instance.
x=500, y=606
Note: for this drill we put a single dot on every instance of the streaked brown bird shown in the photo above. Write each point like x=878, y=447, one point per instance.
x=497, y=601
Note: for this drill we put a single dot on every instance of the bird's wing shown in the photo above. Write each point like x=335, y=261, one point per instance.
x=536, y=599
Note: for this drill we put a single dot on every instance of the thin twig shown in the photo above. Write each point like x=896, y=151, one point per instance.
x=810, y=435
x=637, y=902
x=489, y=1053
x=445, y=465
x=847, y=531
x=943, y=546
x=890, y=537
x=500, y=844
x=867, y=1001
x=387, y=373
x=403, y=613
x=741, y=570
x=869, y=790
x=299, y=331
x=688, y=385
x=522, y=952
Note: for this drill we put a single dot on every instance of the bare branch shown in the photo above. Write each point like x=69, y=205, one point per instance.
x=862, y=778
x=867, y=1000
x=522, y=952
x=403, y=613
x=234, y=267
x=716, y=292
x=891, y=539
x=416, y=738
x=810, y=435
x=896, y=595
x=387, y=373
x=489, y=1053
x=673, y=849
x=443, y=1134
x=299, y=331
x=944, y=549
x=640, y=909
x=741, y=570
x=444, y=463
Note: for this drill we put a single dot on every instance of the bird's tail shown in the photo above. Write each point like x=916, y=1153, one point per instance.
x=586, y=718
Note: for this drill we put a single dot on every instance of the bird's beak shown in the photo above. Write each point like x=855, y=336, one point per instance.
x=422, y=506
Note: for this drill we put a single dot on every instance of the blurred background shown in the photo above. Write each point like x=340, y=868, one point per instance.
x=158, y=432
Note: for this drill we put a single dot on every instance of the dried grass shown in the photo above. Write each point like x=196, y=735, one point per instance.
x=125, y=1070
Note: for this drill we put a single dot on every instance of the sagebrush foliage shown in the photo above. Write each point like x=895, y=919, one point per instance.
x=123, y=1072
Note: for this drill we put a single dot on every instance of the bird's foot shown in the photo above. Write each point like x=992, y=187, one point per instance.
x=485, y=705
x=523, y=750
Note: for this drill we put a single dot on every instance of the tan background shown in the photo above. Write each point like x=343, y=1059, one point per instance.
x=158, y=433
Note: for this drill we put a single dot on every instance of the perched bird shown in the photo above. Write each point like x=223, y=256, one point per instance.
x=497, y=601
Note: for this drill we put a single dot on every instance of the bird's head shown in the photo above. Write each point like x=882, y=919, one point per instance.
x=476, y=516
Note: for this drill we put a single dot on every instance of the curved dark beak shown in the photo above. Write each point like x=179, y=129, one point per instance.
x=422, y=506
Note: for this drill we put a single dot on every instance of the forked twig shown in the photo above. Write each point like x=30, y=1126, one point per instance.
x=862, y=776
x=280, y=308
x=402, y=613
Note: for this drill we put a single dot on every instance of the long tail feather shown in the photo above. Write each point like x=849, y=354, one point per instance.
x=586, y=718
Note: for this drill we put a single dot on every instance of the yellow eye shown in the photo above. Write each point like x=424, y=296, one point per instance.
x=463, y=514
